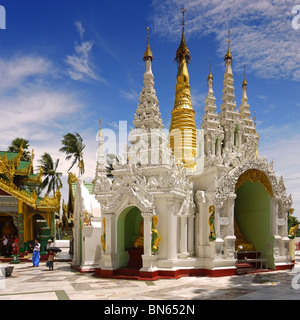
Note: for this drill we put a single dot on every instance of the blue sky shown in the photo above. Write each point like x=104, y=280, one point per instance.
x=64, y=64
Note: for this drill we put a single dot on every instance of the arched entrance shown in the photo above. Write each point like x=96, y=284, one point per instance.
x=252, y=213
x=7, y=226
x=128, y=229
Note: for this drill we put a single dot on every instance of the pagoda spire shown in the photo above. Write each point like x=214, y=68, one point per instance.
x=229, y=115
x=101, y=158
x=148, y=114
x=148, y=142
x=249, y=126
x=183, y=127
x=213, y=133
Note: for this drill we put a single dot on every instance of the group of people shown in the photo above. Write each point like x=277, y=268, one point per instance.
x=36, y=254
x=7, y=245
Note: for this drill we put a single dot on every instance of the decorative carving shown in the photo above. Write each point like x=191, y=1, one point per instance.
x=156, y=238
x=226, y=185
x=87, y=219
x=211, y=222
x=255, y=175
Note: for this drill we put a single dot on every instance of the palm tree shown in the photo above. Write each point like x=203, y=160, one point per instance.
x=15, y=146
x=73, y=147
x=52, y=177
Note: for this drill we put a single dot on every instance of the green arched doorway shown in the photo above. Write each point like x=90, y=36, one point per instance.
x=128, y=228
x=252, y=213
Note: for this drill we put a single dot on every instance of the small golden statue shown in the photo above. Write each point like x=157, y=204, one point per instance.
x=87, y=219
x=156, y=239
x=103, y=237
x=139, y=242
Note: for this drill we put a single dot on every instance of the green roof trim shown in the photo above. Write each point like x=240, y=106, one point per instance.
x=9, y=155
x=23, y=165
x=89, y=186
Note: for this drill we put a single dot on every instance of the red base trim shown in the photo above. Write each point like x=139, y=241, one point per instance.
x=285, y=267
x=135, y=274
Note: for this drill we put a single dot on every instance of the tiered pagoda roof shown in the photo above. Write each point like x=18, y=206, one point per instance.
x=16, y=175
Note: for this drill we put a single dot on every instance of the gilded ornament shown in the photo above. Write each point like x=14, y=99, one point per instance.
x=255, y=175
x=156, y=238
x=211, y=222
x=103, y=237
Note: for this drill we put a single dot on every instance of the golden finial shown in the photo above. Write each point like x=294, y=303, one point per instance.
x=228, y=54
x=148, y=53
x=254, y=118
x=245, y=81
x=182, y=51
x=210, y=76
x=183, y=12
x=100, y=131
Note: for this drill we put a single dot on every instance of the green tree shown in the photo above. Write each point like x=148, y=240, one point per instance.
x=73, y=147
x=52, y=177
x=15, y=146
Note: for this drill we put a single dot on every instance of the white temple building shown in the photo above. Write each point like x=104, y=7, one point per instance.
x=197, y=202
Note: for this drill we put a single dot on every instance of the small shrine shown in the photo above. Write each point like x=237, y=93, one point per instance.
x=199, y=201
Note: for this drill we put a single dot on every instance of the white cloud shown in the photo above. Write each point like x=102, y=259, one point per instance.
x=283, y=148
x=80, y=65
x=17, y=69
x=261, y=31
x=114, y=125
x=80, y=29
x=130, y=95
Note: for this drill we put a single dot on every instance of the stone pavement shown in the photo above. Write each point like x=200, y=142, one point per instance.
x=64, y=283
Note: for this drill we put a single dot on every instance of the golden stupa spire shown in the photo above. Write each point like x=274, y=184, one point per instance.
x=245, y=81
x=228, y=55
x=183, y=127
x=148, y=53
x=210, y=76
x=182, y=51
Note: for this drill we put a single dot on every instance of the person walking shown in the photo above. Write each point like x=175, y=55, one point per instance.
x=36, y=253
x=50, y=262
x=4, y=246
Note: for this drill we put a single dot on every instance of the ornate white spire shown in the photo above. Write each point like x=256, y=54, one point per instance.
x=148, y=142
x=101, y=183
x=210, y=123
x=245, y=113
x=100, y=155
x=229, y=115
x=148, y=114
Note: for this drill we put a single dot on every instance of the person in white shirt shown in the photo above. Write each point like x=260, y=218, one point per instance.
x=4, y=246
x=36, y=253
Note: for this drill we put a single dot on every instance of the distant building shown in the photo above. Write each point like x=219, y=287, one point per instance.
x=22, y=212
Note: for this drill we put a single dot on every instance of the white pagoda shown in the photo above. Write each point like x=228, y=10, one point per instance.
x=167, y=214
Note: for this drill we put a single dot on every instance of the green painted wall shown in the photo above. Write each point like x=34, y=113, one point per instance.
x=252, y=214
x=128, y=227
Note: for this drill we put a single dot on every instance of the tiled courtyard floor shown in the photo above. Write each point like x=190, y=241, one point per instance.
x=64, y=283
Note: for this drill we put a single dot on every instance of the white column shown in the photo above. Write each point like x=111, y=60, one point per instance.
x=217, y=222
x=230, y=213
x=77, y=239
x=183, y=236
x=147, y=216
x=109, y=231
x=172, y=232
x=191, y=234
x=274, y=216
